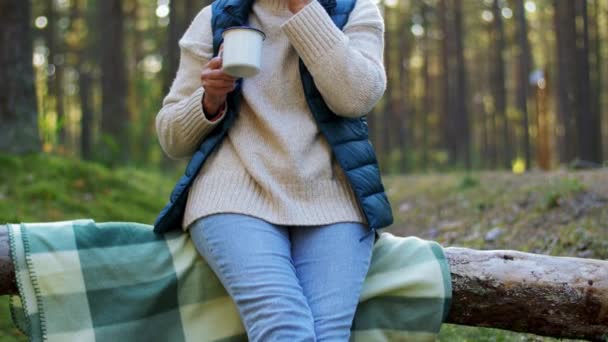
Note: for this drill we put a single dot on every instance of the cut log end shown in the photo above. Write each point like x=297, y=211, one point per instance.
x=8, y=283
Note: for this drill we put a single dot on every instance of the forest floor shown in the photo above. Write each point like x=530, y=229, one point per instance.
x=558, y=213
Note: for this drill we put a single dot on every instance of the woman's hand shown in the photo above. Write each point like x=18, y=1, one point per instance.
x=217, y=85
x=296, y=5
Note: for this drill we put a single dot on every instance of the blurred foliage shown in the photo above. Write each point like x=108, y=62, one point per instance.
x=49, y=188
x=410, y=127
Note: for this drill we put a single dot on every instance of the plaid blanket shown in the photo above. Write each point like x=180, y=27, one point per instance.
x=87, y=281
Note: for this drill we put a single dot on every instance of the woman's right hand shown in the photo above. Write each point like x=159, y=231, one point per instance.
x=216, y=84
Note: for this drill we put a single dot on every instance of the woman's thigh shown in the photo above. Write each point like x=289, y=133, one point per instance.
x=252, y=259
x=331, y=264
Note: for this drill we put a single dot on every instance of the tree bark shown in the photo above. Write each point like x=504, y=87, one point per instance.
x=426, y=79
x=523, y=68
x=8, y=283
x=405, y=136
x=499, y=91
x=587, y=121
x=596, y=75
x=445, y=121
x=56, y=64
x=551, y=296
x=18, y=112
x=565, y=34
x=85, y=83
x=84, y=52
x=492, y=129
x=463, y=135
x=174, y=32
x=539, y=294
x=115, y=114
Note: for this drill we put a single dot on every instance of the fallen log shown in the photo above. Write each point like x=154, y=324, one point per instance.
x=8, y=283
x=523, y=292
x=544, y=295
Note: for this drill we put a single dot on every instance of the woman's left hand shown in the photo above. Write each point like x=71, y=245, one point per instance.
x=296, y=5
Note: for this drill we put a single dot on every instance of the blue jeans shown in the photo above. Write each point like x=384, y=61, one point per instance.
x=289, y=283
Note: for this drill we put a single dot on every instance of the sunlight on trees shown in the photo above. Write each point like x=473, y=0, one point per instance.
x=469, y=82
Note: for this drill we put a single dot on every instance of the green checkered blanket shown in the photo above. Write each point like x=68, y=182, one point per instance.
x=87, y=281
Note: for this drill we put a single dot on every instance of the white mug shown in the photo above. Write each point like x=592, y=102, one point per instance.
x=242, y=51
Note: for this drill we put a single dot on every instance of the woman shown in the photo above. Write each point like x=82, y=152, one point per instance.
x=271, y=211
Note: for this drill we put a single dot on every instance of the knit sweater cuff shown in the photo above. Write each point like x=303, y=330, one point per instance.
x=192, y=118
x=312, y=32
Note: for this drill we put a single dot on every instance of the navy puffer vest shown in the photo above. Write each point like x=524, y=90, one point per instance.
x=348, y=137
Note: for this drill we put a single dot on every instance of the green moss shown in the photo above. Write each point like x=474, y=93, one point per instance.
x=49, y=188
x=467, y=182
x=563, y=188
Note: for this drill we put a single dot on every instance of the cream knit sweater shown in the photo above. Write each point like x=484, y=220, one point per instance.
x=275, y=164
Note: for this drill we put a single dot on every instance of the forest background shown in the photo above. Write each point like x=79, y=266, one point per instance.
x=474, y=84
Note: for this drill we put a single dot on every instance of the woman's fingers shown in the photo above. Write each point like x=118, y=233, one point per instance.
x=216, y=75
x=219, y=90
x=214, y=80
x=218, y=94
x=218, y=83
x=215, y=63
x=214, y=66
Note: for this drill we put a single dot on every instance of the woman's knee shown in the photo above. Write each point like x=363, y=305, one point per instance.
x=331, y=262
x=252, y=259
x=270, y=316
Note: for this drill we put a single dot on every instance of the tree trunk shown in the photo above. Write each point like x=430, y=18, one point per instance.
x=387, y=113
x=485, y=136
x=446, y=111
x=544, y=295
x=426, y=79
x=543, y=150
x=18, y=112
x=55, y=79
x=55, y=65
x=115, y=115
x=171, y=61
x=587, y=121
x=172, y=51
x=85, y=81
x=524, y=61
x=498, y=83
x=604, y=77
x=565, y=33
x=8, y=282
x=551, y=296
x=456, y=136
x=404, y=90
x=490, y=119
x=462, y=136
x=190, y=8
x=596, y=75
